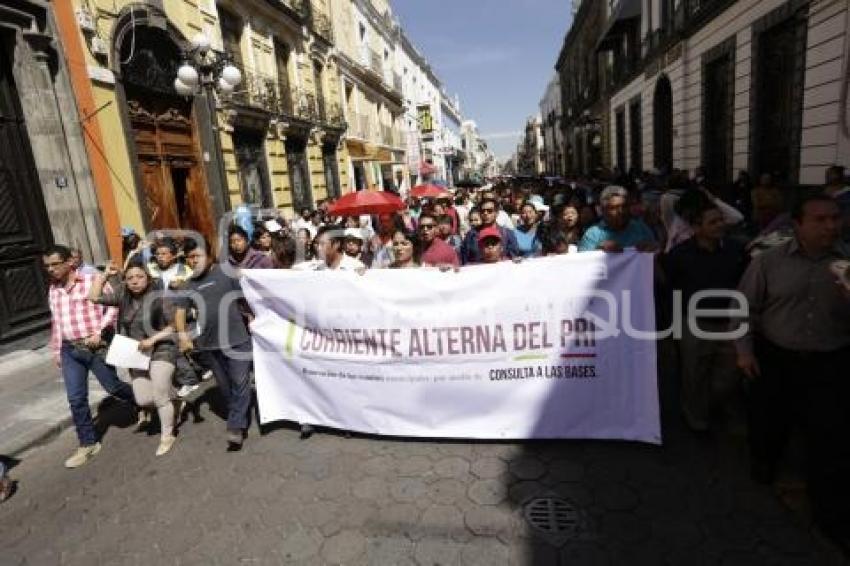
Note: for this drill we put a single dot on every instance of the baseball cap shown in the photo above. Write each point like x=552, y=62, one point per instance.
x=489, y=232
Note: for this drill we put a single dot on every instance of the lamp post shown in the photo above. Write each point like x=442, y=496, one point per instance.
x=205, y=71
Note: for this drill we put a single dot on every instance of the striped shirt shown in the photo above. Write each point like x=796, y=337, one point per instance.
x=74, y=316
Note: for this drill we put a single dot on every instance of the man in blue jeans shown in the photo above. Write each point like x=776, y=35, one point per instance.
x=222, y=342
x=78, y=329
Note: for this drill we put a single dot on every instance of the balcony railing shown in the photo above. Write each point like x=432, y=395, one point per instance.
x=257, y=91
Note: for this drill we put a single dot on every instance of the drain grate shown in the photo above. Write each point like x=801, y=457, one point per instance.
x=552, y=516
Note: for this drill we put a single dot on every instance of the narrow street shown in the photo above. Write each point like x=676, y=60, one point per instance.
x=337, y=500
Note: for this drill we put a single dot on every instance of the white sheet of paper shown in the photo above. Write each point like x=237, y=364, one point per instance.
x=273, y=226
x=124, y=353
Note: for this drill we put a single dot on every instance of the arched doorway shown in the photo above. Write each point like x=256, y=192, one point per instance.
x=164, y=133
x=662, y=125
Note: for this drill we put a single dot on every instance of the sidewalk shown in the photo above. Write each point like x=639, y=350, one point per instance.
x=33, y=405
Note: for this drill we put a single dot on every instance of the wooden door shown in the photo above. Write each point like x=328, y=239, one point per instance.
x=165, y=137
x=24, y=224
x=159, y=199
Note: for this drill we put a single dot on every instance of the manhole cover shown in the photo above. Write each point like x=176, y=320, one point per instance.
x=552, y=516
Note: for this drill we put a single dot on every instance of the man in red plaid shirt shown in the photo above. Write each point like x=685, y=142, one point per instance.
x=77, y=339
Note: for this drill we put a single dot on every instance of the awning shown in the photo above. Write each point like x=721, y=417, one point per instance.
x=626, y=12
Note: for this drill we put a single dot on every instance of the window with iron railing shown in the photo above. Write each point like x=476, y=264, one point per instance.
x=256, y=90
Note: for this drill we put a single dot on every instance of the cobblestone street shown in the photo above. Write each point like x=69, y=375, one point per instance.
x=338, y=500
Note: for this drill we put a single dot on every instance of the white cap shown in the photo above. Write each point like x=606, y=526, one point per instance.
x=354, y=233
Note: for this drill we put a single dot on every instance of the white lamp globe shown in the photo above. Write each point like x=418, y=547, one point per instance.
x=188, y=75
x=182, y=88
x=224, y=86
x=201, y=42
x=231, y=74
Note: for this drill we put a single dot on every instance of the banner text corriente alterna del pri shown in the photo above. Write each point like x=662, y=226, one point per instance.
x=556, y=347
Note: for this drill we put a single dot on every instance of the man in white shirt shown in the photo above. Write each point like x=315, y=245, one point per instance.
x=304, y=222
x=330, y=248
x=331, y=257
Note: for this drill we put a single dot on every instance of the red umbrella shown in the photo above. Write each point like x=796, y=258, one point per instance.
x=429, y=191
x=366, y=202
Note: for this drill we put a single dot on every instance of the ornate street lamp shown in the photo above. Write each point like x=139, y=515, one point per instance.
x=206, y=69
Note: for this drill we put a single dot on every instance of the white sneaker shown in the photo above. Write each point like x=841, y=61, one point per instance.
x=187, y=390
x=82, y=455
x=207, y=375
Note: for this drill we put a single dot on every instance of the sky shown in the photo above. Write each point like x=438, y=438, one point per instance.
x=497, y=55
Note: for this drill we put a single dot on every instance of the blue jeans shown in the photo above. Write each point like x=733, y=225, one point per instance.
x=233, y=379
x=76, y=365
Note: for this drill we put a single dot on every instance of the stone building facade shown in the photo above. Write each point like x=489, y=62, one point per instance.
x=182, y=162
x=47, y=193
x=372, y=100
x=730, y=85
x=585, y=78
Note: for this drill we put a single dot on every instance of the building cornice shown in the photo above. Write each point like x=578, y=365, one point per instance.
x=575, y=28
x=376, y=19
x=367, y=81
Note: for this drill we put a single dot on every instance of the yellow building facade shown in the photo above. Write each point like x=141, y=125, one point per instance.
x=275, y=142
x=366, y=42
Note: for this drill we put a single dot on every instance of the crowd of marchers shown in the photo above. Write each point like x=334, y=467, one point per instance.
x=784, y=251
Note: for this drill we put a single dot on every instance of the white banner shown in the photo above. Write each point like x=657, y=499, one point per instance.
x=556, y=347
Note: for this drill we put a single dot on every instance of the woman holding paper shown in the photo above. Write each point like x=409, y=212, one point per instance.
x=143, y=316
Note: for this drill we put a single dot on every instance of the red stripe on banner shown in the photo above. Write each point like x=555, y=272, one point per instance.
x=578, y=355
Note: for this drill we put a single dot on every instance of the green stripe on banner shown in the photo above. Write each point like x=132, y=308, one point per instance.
x=290, y=338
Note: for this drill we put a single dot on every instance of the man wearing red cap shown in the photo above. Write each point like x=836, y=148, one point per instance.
x=470, y=250
x=490, y=244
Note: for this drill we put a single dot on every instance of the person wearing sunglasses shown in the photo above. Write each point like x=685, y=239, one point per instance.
x=435, y=251
x=470, y=251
